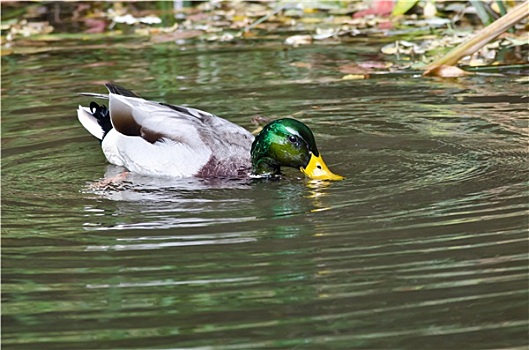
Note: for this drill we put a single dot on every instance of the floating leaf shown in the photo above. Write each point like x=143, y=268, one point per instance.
x=353, y=69
x=176, y=36
x=322, y=34
x=446, y=72
x=523, y=80
x=355, y=77
x=301, y=65
x=296, y=40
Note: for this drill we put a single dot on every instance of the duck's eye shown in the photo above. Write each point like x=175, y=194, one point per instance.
x=292, y=139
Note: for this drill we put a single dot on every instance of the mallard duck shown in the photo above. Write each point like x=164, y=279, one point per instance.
x=155, y=138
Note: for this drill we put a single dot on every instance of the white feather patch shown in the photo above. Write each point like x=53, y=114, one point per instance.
x=167, y=158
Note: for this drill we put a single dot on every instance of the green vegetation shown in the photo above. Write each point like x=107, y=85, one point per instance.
x=416, y=32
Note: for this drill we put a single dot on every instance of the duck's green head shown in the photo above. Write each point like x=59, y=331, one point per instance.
x=288, y=142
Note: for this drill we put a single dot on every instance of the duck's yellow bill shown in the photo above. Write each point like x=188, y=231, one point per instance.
x=318, y=170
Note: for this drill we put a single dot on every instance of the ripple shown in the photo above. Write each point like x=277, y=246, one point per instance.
x=424, y=245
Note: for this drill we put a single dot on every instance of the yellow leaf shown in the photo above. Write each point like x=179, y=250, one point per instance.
x=403, y=6
x=355, y=77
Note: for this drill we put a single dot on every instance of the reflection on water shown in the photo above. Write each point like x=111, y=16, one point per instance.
x=424, y=245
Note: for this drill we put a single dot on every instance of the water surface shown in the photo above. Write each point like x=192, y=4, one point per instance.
x=424, y=245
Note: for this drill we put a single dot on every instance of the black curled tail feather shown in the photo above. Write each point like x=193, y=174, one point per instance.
x=120, y=90
x=102, y=114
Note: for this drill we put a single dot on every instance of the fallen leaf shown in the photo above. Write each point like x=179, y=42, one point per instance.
x=296, y=40
x=374, y=64
x=178, y=35
x=322, y=34
x=378, y=7
x=95, y=25
x=355, y=77
x=301, y=64
x=311, y=20
x=429, y=10
x=403, y=6
x=382, y=25
x=402, y=47
x=353, y=69
x=523, y=80
x=445, y=72
x=5, y=51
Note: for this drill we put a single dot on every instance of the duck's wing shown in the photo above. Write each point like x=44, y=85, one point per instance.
x=154, y=122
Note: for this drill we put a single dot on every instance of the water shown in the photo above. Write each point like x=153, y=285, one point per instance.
x=424, y=245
